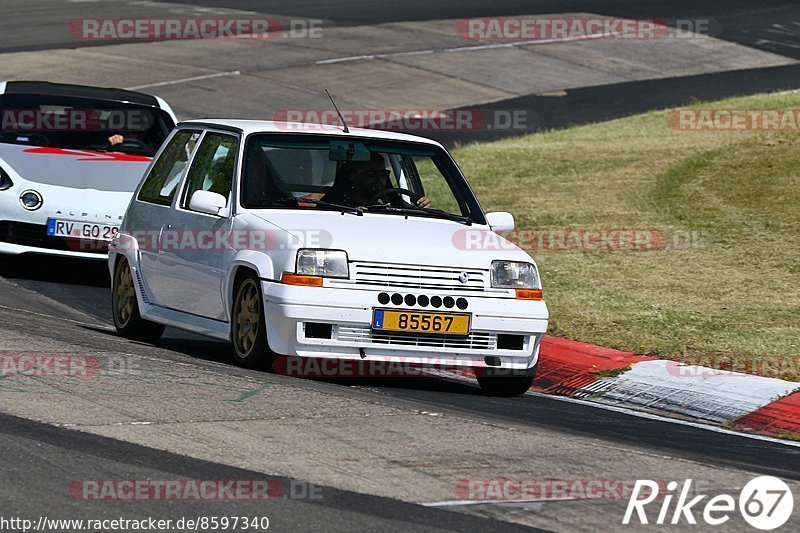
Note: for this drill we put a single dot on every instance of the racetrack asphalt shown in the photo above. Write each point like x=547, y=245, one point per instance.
x=767, y=25
x=41, y=461
x=192, y=375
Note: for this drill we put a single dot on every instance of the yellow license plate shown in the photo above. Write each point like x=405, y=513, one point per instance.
x=420, y=322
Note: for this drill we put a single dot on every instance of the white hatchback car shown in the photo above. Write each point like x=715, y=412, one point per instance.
x=305, y=240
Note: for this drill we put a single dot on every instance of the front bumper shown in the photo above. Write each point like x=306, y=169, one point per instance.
x=18, y=249
x=288, y=309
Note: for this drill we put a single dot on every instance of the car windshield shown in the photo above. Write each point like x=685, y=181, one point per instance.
x=82, y=123
x=325, y=172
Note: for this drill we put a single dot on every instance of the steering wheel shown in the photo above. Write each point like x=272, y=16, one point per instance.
x=397, y=192
x=130, y=143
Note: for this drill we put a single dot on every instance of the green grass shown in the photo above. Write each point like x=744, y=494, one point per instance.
x=788, y=436
x=612, y=372
x=726, y=281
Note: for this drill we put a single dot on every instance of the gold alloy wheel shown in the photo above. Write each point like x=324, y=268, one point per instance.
x=125, y=295
x=246, y=317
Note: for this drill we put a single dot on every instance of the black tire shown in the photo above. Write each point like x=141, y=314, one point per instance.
x=125, y=307
x=506, y=383
x=248, y=329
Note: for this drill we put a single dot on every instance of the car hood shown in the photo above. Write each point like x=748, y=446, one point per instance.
x=396, y=239
x=79, y=169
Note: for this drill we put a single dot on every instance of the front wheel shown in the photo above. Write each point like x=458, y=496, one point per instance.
x=499, y=382
x=127, y=320
x=248, y=329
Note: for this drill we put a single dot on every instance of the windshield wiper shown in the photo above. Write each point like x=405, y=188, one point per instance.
x=343, y=208
x=422, y=211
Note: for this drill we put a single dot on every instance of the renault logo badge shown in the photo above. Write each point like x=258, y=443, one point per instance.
x=463, y=277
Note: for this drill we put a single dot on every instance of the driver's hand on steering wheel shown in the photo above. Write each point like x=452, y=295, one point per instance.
x=115, y=139
x=422, y=202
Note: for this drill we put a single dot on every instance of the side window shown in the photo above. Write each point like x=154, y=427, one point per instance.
x=160, y=185
x=213, y=167
x=433, y=184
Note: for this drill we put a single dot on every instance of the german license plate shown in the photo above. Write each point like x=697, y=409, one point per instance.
x=81, y=230
x=420, y=322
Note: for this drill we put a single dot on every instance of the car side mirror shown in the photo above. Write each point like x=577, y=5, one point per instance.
x=500, y=221
x=207, y=202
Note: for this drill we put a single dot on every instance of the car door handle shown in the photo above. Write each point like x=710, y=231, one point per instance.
x=161, y=234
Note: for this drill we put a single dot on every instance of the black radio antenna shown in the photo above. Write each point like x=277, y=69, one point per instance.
x=341, y=118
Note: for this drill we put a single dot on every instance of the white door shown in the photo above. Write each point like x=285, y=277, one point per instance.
x=196, y=247
x=152, y=211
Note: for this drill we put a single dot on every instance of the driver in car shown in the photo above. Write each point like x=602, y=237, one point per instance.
x=142, y=132
x=358, y=182
x=118, y=138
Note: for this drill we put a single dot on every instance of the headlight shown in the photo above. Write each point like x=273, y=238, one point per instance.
x=322, y=263
x=5, y=180
x=514, y=275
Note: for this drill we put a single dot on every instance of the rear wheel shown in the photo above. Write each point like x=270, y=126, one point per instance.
x=127, y=320
x=504, y=382
x=248, y=329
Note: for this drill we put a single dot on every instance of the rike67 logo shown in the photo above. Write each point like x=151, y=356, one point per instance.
x=765, y=503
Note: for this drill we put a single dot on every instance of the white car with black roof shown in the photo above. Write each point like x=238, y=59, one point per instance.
x=70, y=158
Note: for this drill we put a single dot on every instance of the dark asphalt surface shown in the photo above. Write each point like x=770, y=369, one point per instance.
x=581, y=419
x=772, y=26
x=41, y=463
x=607, y=102
x=768, y=25
x=675, y=440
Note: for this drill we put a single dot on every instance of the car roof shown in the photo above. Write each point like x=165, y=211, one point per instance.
x=79, y=91
x=248, y=127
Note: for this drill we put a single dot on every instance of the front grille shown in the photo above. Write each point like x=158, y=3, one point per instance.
x=474, y=341
x=417, y=277
x=26, y=234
